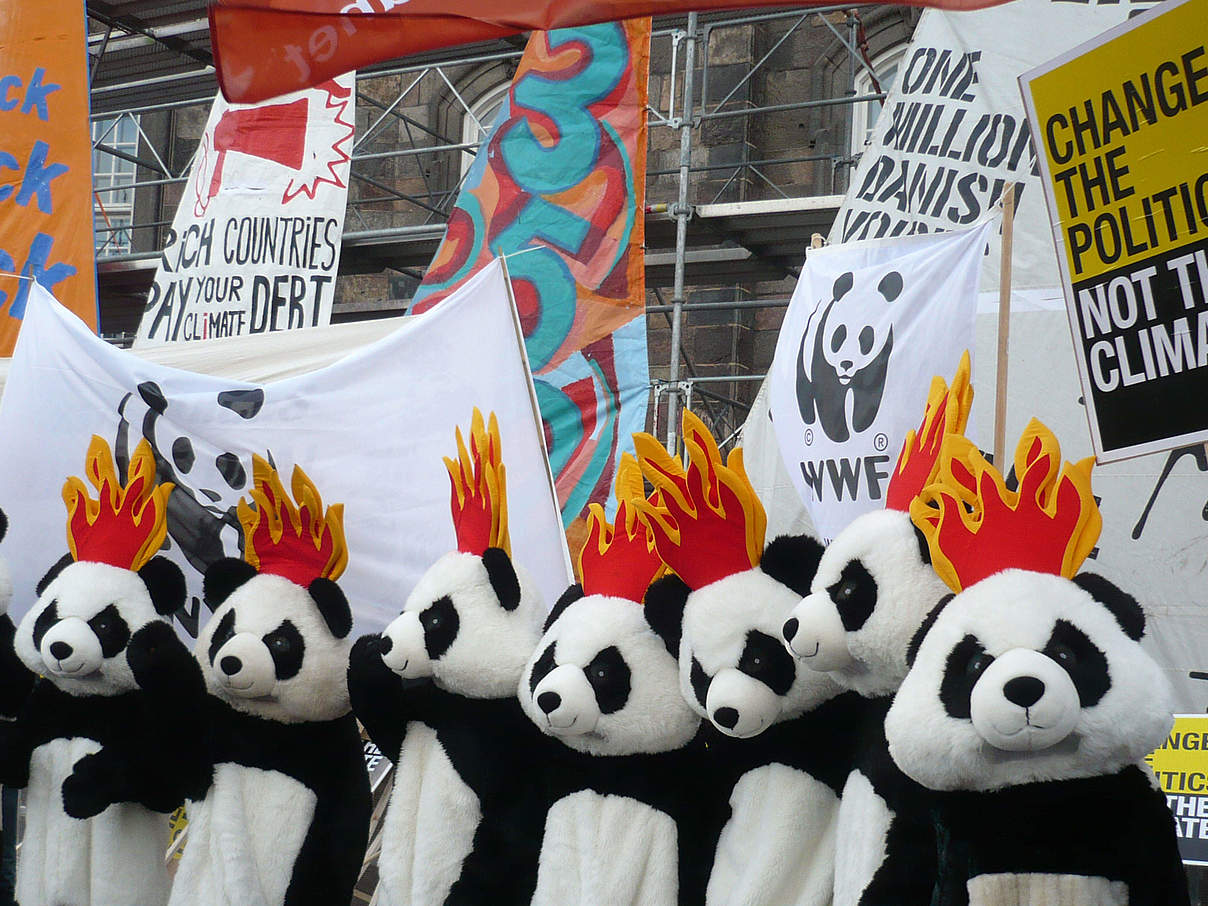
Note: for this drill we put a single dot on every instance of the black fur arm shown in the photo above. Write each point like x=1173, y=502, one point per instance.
x=378, y=696
x=16, y=680
x=16, y=747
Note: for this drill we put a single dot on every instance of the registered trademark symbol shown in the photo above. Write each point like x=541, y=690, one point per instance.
x=881, y=442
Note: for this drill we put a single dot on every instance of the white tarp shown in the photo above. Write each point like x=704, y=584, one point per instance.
x=869, y=325
x=370, y=428
x=255, y=243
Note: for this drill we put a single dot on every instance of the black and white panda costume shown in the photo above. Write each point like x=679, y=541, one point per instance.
x=284, y=820
x=436, y=691
x=873, y=588
x=1030, y=705
x=87, y=743
x=777, y=734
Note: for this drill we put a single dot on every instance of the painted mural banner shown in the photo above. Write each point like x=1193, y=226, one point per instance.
x=254, y=246
x=1181, y=766
x=1122, y=121
x=559, y=186
x=45, y=162
x=870, y=323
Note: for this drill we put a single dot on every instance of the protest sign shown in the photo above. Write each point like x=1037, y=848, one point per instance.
x=1181, y=766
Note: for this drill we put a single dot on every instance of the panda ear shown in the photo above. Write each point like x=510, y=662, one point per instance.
x=3, y=525
x=843, y=285
x=913, y=648
x=664, y=610
x=890, y=286
x=333, y=605
x=52, y=573
x=569, y=597
x=1123, y=606
x=166, y=583
x=223, y=577
x=502, y=576
x=924, y=547
x=792, y=560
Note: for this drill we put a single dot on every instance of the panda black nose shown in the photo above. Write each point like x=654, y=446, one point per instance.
x=230, y=665
x=790, y=629
x=845, y=364
x=385, y=643
x=1024, y=691
x=727, y=717
x=549, y=701
x=60, y=650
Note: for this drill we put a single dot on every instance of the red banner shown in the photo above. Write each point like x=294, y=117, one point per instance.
x=265, y=48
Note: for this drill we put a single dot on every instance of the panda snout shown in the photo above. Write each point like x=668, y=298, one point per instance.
x=71, y=649
x=1024, y=702
x=1024, y=691
x=549, y=701
x=244, y=667
x=566, y=702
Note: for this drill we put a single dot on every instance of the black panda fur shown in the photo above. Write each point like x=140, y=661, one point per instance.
x=16, y=680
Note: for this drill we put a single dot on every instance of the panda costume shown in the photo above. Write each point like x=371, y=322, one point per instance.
x=284, y=820
x=1030, y=702
x=436, y=691
x=777, y=738
x=873, y=588
x=629, y=797
x=87, y=743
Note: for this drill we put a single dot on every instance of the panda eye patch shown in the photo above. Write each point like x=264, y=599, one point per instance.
x=838, y=337
x=286, y=647
x=231, y=470
x=111, y=630
x=222, y=634
x=440, y=623
x=182, y=454
x=855, y=595
x=609, y=677
x=767, y=660
x=700, y=682
x=45, y=620
x=966, y=663
x=1081, y=659
x=544, y=666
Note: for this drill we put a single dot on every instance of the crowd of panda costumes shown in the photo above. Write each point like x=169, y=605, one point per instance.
x=87, y=742
x=629, y=796
x=1030, y=703
x=284, y=818
x=873, y=588
x=779, y=745
x=436, y=691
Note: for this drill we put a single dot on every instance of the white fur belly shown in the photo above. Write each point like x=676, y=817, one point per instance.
x=243, y=839
x=779, y=844
x=863, y=828
x=114, y=859
x=1045, y=890
x=607, y=850
x=429, y=825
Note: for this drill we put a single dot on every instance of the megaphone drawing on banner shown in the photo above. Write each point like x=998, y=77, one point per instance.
x=275, y=132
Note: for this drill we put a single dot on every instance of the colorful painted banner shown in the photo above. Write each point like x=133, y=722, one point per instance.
x=559, y=186
x=255, y=243
x=45, y=162
x=265, y=48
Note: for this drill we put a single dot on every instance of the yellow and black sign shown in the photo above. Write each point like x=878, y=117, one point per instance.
x=1181, y=766
x=1122, y=127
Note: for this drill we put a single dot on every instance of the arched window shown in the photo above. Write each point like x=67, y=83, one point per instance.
x=865, y=115
x=477, y=123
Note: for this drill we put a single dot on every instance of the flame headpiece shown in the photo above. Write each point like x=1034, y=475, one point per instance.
x=126, y=525
x=947, y=413
x=297, y=542
x=621, y=560
x=976, y=527
x=479, y=489
x=710, y=523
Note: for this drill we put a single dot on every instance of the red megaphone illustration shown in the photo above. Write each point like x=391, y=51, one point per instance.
x=275, y=132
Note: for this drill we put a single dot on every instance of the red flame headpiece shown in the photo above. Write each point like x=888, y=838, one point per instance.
x=621, y=560
x=479, y=489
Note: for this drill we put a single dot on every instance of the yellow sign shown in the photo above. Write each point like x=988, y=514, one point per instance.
x=1181, y=766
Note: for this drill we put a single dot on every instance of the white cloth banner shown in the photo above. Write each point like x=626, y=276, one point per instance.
x=255, y=243
x=870, y=323
x=370, y=430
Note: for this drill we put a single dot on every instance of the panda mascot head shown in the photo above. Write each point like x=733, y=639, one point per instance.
x=277, y=643
x=604, y=679
x=733, y=594
x=474, y=617
x=109, y=585
x=1025, y=675
x=875, y=582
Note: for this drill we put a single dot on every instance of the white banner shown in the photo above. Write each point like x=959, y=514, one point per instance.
x=953, y=131
x=370, y=430
x=255, y=243
x=869, y=325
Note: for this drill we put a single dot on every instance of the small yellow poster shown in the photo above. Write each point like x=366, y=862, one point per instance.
x=1181, y=766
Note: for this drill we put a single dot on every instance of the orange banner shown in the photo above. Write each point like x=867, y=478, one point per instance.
x=45, y=161
x=265, y=48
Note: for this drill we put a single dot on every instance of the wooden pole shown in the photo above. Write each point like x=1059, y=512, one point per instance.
x=1004, y=330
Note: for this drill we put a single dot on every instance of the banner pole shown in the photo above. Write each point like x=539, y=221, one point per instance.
x=1004, y=328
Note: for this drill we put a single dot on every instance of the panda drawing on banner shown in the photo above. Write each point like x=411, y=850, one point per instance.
x=1030, y=703
x=436, y=692
x=778, y=746
x=628, y=822
x=873, y=587
x=284, y=820
x=113, y=681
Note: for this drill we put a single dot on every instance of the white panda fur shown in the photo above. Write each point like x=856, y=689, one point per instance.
x=873, y=588
x=285, y=818
x=603, y=683
x=1029, y=707
x=432, y=703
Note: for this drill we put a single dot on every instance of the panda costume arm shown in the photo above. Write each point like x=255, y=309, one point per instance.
x=16, y=680
x=378, y=696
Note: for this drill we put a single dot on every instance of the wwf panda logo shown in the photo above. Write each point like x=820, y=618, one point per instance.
x=842, y=364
